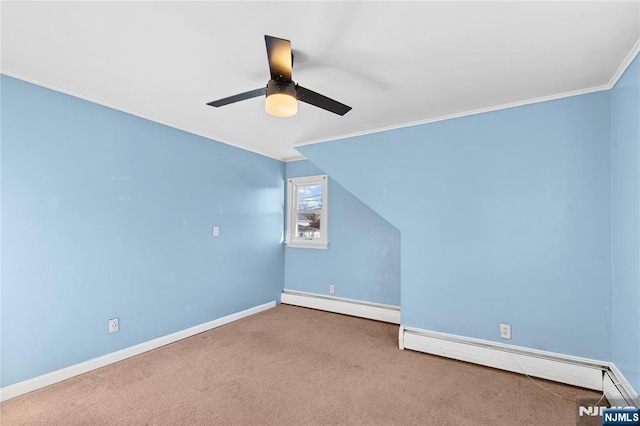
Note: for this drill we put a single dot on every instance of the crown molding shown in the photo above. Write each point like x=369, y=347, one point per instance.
x=292, y=159
x=608, y=86
x=624, y=65
x=460, y=114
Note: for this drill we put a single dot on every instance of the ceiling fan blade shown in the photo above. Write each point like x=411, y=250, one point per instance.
x=239, y=97
x=279, y=55
x=321, y=101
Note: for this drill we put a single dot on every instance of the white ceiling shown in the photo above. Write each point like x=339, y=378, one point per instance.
x=394, y=63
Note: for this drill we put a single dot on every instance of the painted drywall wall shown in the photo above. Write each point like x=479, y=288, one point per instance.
x=625, y=223
x=504, y=218
x=108, y=215
x=363, y=258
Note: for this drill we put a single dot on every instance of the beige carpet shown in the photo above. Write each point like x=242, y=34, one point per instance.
x=295, y=366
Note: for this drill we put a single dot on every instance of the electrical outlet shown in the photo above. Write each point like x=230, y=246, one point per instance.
x=332, y=288
x=216, y=231
x=114, y=325
x=505, y=331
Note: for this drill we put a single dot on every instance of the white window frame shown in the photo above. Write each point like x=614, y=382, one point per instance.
x=292, y=212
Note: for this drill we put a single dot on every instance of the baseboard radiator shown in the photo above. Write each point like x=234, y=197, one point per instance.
x=618, y=390
x=356, y=308
x=583, y=372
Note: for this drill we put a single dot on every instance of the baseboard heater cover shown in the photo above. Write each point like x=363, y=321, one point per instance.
x=356, y=308
x=562, y=368
x=56, y=376
x=618, y=390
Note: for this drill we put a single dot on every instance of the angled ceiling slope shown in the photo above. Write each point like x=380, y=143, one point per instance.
x=394, y=63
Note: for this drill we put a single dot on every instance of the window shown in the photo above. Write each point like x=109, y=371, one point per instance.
x=307, y=212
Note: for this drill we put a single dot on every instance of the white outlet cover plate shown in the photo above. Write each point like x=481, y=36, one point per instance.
x=114, y=325
x=505, y=331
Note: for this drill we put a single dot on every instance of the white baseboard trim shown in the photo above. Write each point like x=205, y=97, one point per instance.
x=582, y=372
x=356, y=308
x=35, y=383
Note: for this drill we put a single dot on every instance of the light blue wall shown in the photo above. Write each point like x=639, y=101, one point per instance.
x=625, y=223
x=363, y=258
x=504, y=218
x=523, y=216
x=105, y=214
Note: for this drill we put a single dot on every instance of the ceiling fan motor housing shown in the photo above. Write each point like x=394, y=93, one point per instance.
x=281, y=87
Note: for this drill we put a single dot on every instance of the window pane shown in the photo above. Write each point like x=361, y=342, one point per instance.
x=308, y=225
x=310, y=197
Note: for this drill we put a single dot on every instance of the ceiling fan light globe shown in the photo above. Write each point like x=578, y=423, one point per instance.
x=281, y=105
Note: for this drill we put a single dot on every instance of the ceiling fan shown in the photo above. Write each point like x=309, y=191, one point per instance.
x=282, y=93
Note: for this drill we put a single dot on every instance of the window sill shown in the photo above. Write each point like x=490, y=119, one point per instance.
x=310, y=245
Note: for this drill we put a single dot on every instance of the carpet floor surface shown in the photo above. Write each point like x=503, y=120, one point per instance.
x=295, y=366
